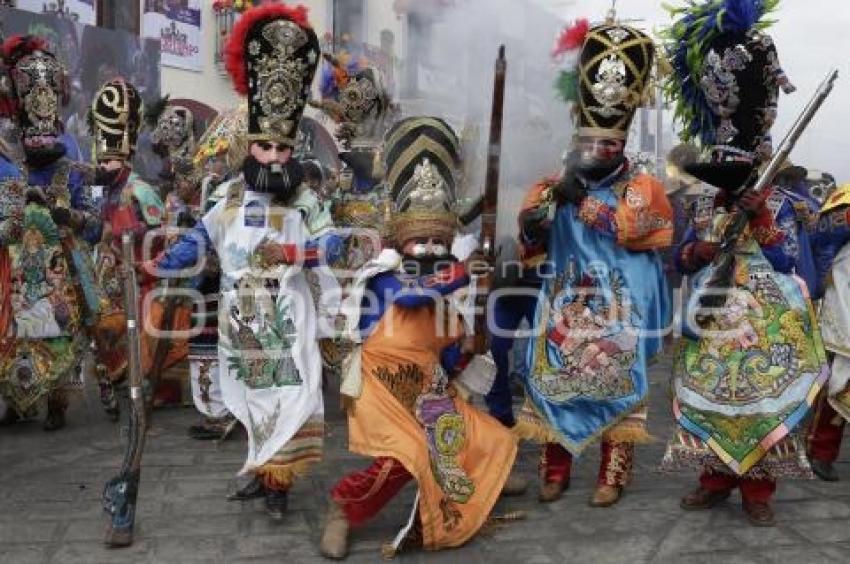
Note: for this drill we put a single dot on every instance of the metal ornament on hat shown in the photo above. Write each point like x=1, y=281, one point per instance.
x=426, y=190
x=279, y=88
x=114, y=119
x=612, y=81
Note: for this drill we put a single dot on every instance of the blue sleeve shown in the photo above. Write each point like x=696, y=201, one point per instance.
x=783, y=255
x=386, y=289
x=833, y=232
x=451, y=359
x=82, y=201
x=689, y=237
x=331, y=246
x=187, y=250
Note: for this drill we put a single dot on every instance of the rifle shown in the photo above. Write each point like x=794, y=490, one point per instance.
x=490, y=202
x=119, y=493
x=722, y=269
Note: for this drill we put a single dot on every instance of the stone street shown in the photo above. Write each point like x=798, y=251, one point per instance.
x=51, y=484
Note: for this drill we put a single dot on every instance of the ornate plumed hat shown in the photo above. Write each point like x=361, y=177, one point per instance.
x=605, y=71
x=226, y=136
x=33, y=86
x=422, y=164
x=272, y=55
x=173, y=129
x=725, y=82
x=115, y=119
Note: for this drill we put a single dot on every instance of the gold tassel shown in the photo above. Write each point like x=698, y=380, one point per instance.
x=635, y=434
x=535, y=432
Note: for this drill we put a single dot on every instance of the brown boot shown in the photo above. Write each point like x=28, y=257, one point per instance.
x=334, y=543
x=703, y=499
x=605, y=496
x=760, y=514
x=552, y=491
x=57, y=403
x=515, y=485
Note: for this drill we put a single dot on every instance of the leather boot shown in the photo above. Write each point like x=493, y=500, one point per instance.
x=702, y=498
x=57, y=403
x=605, y=496
x=824, y=470
x=760, y=514
x=252, y=490
x=277, y=502
x=334, y=543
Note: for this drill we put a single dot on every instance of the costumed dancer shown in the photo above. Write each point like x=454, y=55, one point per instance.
x=601, y=314
x=173, y=139
x=832, y=254
x=221, y=151
x=269, y=362
x=127, y=203
x=354, y=97
x=406, y=406
x=48, y=291
x=746, y=373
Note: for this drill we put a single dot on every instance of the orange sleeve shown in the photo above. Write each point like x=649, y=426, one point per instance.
x=644, y=215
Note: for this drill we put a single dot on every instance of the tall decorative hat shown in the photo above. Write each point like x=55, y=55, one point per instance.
x=272, y=55
x=725, y=82
x=422, y=163
x=605, y=71
x=226, y=138
x=33, y=88
x=115, y=119
x=173, y=129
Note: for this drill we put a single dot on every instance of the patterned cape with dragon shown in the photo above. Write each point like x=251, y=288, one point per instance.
x=599, y=319
x=745, y=379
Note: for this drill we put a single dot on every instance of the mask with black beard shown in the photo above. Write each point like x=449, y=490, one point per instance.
x=281, y=181
x=595, y=169
x=44, y=155
x=104, y=177
x=426, y=265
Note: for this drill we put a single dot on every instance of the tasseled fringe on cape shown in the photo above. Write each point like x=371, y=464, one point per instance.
x=281, y=476
x=530, y=427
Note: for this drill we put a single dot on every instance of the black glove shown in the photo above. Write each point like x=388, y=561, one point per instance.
x=534, y=222
x=569, y=189
x=61, y=216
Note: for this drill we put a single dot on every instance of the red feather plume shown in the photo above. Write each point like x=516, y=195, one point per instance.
x=572, y=37
x=17, y=46
x=14, y=48
x=234, y=51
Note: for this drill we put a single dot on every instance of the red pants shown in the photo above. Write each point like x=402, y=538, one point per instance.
x=825, y=431
x=363, y=494
x=752, y=491
x=615, y=465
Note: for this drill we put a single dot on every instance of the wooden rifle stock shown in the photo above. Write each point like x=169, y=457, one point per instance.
x=120, y=493
x=490, y=202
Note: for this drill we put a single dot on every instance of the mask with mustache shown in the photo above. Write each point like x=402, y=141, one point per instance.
x=44, y=155
x=279, y=180
x=104, y=177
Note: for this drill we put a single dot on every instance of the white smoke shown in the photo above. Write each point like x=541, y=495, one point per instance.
x=453, y=62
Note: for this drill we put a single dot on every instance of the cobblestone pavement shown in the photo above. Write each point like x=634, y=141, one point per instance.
x=50, y=488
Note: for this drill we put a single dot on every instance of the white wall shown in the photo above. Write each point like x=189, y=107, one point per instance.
x=212, y=86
